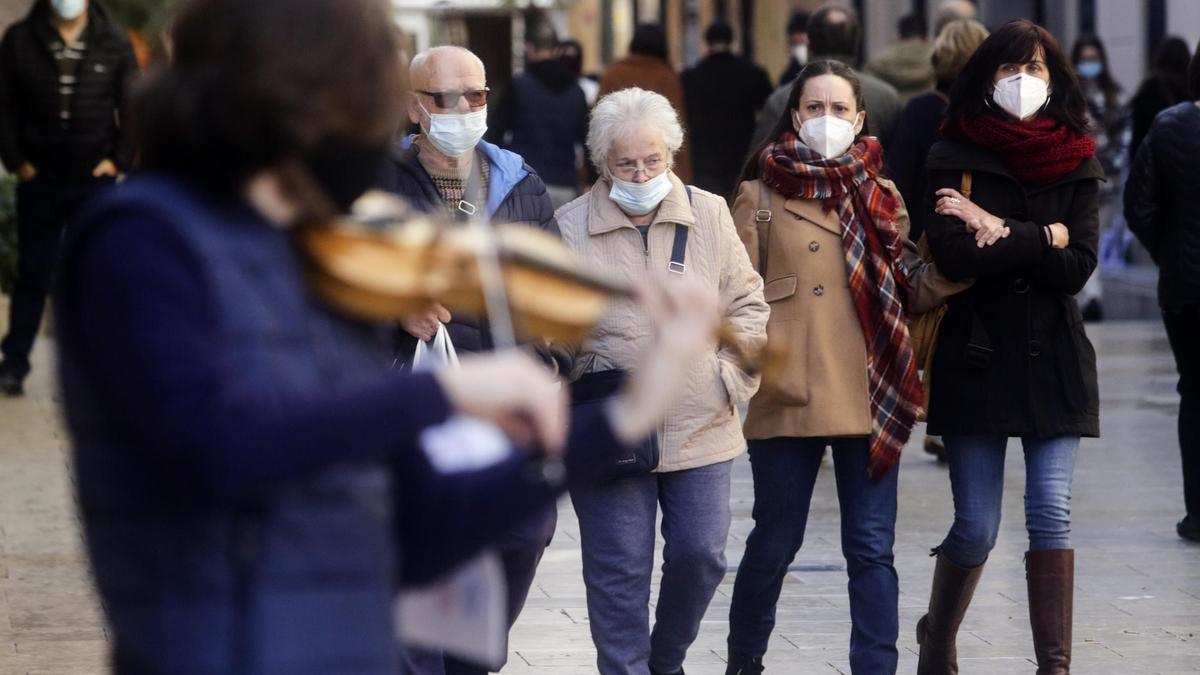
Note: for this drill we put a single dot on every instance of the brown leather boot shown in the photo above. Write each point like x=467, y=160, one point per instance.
x=1050, y=576
x=937, y=631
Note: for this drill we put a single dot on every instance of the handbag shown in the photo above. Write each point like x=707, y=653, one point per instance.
x=923, y=328
x=594, y=390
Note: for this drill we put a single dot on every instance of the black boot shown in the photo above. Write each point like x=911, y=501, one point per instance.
x=741, y=664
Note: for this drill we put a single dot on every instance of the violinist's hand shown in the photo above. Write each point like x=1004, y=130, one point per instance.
x=514, y=391
x=425, y=326
x=684, y=312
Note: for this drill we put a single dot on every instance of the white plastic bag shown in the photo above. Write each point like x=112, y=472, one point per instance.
x=437, y=353
x=464, y=613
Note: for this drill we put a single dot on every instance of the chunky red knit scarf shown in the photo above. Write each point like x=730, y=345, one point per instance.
x=1038, y=151
x=878, y=281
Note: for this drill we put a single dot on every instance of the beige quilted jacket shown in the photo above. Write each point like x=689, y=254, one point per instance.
x=704, y=427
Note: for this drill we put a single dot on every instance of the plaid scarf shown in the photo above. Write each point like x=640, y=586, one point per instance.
x=878, y=279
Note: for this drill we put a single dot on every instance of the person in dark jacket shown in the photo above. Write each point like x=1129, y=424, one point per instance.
x=1165, y=86
x=250, y=480
x=431, y=171
x=1012, y=358
x=64, y=74
x=723, y=94
x=1162, y=208
x=797, y=35
x=542, y=116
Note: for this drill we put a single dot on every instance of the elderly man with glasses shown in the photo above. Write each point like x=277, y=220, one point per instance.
x=433, y=171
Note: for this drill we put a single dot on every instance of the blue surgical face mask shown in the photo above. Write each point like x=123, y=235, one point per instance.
x=68, y=9
x=1089, y=70
x=638, y=199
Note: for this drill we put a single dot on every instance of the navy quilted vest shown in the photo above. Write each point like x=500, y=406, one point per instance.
x=300, y=579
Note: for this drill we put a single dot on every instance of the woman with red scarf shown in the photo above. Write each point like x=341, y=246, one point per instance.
x=827, y=234
x=1012, y=358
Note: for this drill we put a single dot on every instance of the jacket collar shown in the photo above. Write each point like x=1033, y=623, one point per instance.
x=507, y=169
x=958, y=156
x=605, y=216
x=812, y=211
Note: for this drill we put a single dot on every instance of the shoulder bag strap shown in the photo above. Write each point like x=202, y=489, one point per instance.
x=762, y=222
x=965, y=186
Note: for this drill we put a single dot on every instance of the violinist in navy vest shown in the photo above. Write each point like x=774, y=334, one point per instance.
x=250, y=480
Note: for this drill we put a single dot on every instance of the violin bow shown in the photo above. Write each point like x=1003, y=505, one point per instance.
x=495, y=294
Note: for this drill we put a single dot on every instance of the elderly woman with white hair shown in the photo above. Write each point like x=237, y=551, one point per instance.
x=639, y=219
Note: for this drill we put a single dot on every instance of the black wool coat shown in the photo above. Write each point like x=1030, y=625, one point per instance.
x=1162, y=203
x=1012, y=357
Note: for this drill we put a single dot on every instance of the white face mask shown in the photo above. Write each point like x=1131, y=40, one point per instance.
x=68, y=9
x=454, y=134
x=638, y=199
x=800, y=53
x=828, y=136
x=1021, y=96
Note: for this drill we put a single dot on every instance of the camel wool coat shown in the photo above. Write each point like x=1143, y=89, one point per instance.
x=823, y=388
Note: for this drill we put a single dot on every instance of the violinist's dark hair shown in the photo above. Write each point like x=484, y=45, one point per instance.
x=259, y=84
x=811, y=70
x=1017, y=42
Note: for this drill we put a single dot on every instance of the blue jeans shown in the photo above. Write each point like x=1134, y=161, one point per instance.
x=785, y=471
x=977, y=481
x=616, y=526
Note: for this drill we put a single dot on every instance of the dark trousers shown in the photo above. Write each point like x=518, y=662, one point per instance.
x=520, y=550
x=44, y=206
x=785, y=471
x=1183, y=332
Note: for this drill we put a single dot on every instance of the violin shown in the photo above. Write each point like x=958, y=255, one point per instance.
x=383, y=264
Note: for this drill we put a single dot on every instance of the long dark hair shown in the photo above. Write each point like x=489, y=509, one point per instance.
x=813, y=69
x=1107, y=84
x=1018, y=42
x=1169, y=76
x=260, y=84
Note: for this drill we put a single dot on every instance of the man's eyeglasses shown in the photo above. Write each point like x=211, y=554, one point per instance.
x=476, y=98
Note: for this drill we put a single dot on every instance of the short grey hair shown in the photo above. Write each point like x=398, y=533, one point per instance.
x=624, y=110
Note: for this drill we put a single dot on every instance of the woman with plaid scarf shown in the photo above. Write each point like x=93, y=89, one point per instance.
x=828, y=235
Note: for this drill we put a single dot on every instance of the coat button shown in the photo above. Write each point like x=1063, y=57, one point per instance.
x=1021, y=286
x=819, y=290
x=1035, y=348
x=814, y=247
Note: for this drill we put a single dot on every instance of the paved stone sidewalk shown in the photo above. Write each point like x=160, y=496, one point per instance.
x=1137, y=584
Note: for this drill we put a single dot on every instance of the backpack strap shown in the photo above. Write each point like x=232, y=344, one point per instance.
x=762, y=222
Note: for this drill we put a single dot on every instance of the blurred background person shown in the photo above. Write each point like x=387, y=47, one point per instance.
x=571, y=53
x=1109, y=122
x=431, y=170
x=952, y=10
x=833, y=270
x=648, y=67
x=724, y=93
x=834, y=33
x=640, y=218
x=542, y=114
x=1164, y=86
x=797, y=37
x=918, y=130
x=1162, y=206
x=65, y=71
x=905, y=65
x=1012, y=358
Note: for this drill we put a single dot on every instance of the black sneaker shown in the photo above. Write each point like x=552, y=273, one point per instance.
x=740, y=664
x=10, y=385
x=1189, y=528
